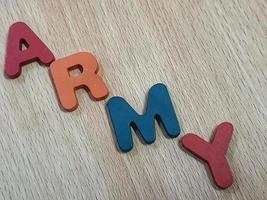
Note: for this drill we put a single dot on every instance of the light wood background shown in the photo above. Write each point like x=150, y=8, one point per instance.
x=211, y=54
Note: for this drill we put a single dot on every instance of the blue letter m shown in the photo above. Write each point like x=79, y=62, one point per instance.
x=159, y=106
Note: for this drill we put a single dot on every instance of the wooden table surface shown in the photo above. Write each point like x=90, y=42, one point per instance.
x=211, y=54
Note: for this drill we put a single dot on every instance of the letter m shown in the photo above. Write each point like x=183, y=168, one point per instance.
x=159, y=106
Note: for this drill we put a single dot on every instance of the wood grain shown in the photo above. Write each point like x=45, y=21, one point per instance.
x=212, y=55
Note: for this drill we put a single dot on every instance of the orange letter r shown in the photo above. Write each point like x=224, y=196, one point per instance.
x=88, y=79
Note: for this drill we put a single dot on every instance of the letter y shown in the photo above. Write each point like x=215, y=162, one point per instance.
x=213, y=153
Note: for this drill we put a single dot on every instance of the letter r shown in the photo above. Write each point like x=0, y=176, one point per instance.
x=66, y=85
x=123, y=116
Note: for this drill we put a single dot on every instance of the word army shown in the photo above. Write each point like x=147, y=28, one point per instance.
x=122, y=115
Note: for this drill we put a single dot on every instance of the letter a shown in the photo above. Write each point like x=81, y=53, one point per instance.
x=88, y=79
x=159, y=106
x=19, y=34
